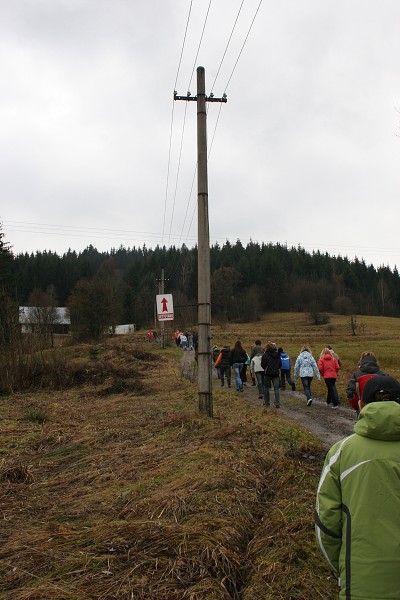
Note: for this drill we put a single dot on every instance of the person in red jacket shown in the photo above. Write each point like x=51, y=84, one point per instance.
x=328, y=366
x=367, y=367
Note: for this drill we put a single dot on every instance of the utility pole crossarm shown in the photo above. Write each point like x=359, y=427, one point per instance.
x=190, y=98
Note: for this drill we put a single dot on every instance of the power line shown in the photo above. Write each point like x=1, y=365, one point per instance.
x=226, y=47
x=126, y=234
x=177, y=172
x=200, y=42
x=172, y=121
x=184, y=121
x=244, y=43
x=183, y=45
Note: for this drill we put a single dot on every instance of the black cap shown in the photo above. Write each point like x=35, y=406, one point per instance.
x=386, y=385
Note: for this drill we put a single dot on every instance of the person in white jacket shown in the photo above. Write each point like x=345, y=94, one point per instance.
x=306, y=366
x=257, y=372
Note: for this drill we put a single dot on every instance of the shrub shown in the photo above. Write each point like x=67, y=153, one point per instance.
x=37, y=415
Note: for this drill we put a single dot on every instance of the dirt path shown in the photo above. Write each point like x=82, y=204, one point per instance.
x=320, y=419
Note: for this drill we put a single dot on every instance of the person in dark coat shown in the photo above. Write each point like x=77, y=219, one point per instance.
x=271, y=363
x=237, y=360
x=223, y=363
x=368, y=367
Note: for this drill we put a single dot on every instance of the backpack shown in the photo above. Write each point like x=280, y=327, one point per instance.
x=285, y=362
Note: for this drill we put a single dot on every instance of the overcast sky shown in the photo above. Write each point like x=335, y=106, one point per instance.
x=93, y=149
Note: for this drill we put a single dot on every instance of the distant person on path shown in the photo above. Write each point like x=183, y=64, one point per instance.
x=176, y=337
x=257, y=372
x=215, y=353
x=305, y=366
x=285, y=370
x=367, y=367
x=271, y=363
x=183, y=339
x=224, y=365
x=328, y=366
x=243, y=374
x=335, y=355
x=256, y=349
x=190, y=341
x=358, y=499
x=237, y=360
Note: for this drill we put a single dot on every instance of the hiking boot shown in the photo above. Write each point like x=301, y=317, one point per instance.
x=260, y=397
x=309, y=402
x=222, y=384
x=241, y=389
x=293, y=387
x=277, y=405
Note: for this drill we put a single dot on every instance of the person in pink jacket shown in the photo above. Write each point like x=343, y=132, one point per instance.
x=328, y=366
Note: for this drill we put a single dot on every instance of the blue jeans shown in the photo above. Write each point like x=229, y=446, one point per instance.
x=237, y=369
x=306, y=381
x=275, y=382
x=260, y=382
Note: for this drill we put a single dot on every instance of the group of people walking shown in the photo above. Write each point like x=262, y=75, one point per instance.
x=270, y=369
x=187, y=340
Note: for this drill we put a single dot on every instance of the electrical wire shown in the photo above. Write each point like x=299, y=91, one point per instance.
x=199, y=46
x=172, y=121
x=187, y=207
x=177, y=172
x=227, y=45
x=183, y=45
x=244, y=43
x=154, y=237
x=184, y=120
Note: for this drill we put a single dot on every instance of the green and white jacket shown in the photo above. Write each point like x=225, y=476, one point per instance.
x=358, y=506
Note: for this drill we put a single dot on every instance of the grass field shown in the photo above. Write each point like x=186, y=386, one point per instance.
x=116, y=488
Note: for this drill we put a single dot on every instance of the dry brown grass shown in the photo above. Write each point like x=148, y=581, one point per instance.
x=130, y=493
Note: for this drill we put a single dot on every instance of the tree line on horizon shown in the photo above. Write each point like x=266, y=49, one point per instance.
x=120, y=285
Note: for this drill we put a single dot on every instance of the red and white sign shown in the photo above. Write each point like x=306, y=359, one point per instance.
x=165, y=307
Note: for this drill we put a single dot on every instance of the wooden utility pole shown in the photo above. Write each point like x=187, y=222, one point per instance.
x=161, y=290
x=204, y=378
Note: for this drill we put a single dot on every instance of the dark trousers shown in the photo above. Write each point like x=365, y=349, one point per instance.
x=330, y=384
x=285, y=376
x=243, y=374
x=225, y=372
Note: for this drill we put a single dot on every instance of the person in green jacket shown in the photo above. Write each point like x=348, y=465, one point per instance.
x=357, y=520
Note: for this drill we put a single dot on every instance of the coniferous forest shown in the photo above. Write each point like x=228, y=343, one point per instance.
x=246, y=282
